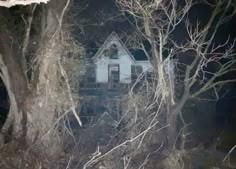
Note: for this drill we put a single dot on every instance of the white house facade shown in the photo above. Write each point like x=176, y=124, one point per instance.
x=114, y=63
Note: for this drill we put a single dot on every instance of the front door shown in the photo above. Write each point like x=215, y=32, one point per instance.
x=113, y=75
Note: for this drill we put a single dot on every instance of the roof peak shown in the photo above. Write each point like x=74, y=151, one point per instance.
x=113, y=34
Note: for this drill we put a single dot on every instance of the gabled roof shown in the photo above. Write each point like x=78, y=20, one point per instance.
x=139, y=54
x=110, y=37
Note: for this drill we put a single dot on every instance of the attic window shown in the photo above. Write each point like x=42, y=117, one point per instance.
x=111, y=52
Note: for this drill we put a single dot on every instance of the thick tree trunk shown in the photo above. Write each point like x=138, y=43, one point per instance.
x=43, y=103
x=33, y=107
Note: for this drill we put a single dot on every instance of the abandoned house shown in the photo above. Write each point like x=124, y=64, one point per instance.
x=113, y=65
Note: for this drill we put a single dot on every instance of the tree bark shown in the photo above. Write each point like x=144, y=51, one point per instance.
x=33, y=107
x=172, y=118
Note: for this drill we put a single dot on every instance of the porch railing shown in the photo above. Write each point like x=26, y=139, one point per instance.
x=104, y=86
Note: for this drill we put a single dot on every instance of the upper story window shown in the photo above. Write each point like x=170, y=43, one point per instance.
x=111, y=52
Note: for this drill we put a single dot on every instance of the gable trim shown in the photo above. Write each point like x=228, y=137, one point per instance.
x=102, y=48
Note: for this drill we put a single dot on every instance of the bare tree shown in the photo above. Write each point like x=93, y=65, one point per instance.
x=32, y=69
x=183, y=71
x=156, y=22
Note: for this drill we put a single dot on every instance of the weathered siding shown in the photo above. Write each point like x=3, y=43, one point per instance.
x=146, y=65
x=123, y=60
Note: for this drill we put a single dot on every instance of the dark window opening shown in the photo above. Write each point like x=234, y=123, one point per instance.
x=111, y=52
x=114, y=74
x=90, y=74
x=136, y=71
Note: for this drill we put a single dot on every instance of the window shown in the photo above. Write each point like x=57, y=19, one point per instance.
x=111, y=52
x=136, y=70
x=90, y=74
x=113, y=73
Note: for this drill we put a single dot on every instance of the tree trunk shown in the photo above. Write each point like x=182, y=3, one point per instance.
x=15, y=83
x=172, y=117
x=34, y=105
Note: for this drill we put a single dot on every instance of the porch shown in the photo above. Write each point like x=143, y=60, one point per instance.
x=93, y=88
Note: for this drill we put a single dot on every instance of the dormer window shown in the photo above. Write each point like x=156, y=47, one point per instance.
x=111, y=52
